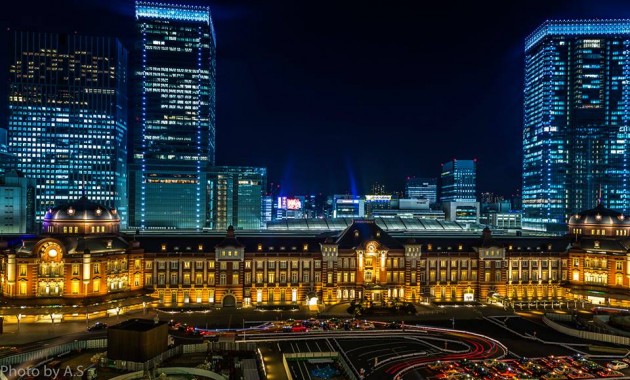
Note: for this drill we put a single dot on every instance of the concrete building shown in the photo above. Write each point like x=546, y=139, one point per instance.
x=463, y=212
x=17, y=203
x=236, y=196
x=421, y=188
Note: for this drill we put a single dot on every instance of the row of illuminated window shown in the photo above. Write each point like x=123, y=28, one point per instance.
x=452, y=276
x=157, y=87
x=179, y=107
x=599, y=278
x=516, y=275
x=234, y=265
x=224, y=278
x=149, y=71
x=192, y=104
x=597, y=263
x=176, y=94
x=54, y=269
x=463, y=263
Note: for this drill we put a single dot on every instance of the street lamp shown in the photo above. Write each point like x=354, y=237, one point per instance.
x=19, y=317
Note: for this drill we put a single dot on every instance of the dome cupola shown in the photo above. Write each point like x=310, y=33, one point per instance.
x=81, y=217
x=599, y=221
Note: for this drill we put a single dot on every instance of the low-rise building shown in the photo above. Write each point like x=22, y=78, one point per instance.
x=81, y=259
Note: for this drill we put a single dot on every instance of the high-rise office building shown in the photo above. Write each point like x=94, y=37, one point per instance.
x=459, y=181
x=575, y=136
x=348, y=206
x=290, y=207
x=7, y=160
x=374, y=202
x=267, y=209
x=17, y=202
x=237, y=197
x=174, y=135
x=68, y=117
x=421, y=188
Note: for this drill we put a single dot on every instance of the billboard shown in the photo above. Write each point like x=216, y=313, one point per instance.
x=294, y=204
x=285, y=203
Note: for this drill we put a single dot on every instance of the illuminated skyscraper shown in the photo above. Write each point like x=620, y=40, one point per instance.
x=237, y=197
x=174, y=131
x=459, y=181
x=575, y=138
x=421, y=188
x=7, y=160
x=67, y=123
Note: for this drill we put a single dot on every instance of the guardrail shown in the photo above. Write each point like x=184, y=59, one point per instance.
x=215, y=346
x=548, y=319
x=52, y=351
x=149, y=364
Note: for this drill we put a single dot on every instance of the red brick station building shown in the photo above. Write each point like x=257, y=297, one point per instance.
x=81, y=265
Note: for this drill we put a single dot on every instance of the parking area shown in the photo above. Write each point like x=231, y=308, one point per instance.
x=547, y=368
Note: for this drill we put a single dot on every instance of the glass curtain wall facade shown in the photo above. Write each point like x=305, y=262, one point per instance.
x=422, y=188
x=459, y=181
x=7, y=160
x=236, y=194
x=67, y=124
x=174, y=139
x=575, y=139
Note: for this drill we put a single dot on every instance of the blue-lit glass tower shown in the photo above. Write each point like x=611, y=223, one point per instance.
x=237, y=197
x=459, y=181
x=67, y=122
x=174, y=131
x=575, y=139
x=421, y=188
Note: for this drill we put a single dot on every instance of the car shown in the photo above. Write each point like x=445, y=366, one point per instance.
x=299, y=329
x=98, y=326
x=609, y=373
x=579, y=374
x=617, y=365
x=8, y=349
x=480, y=371
x=553, y=376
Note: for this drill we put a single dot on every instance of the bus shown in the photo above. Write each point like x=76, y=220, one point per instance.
x=601, y=310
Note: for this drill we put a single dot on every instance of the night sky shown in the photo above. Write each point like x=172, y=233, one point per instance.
x=332, y=96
